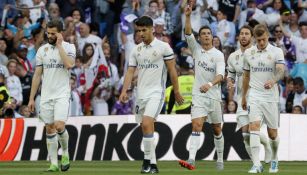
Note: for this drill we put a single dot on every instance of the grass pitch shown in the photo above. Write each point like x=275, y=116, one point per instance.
x=133, y=167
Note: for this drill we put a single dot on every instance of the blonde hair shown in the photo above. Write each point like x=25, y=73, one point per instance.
x=260, y=29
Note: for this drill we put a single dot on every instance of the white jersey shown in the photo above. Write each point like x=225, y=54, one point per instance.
x=208, y=64
x=262, y=65
x=149, y=60
x=55, y=80
x=235, y=71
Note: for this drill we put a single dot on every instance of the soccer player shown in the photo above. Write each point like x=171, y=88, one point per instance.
x=53, y=61
x=206, y=94
x=235, y=72
x=151, y=58
x=263, y=68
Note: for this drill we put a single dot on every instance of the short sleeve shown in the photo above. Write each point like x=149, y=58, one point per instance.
x=71, y=51
x=192, y=43
x=39, y=57
x=220, y=65
x=168, y=53
x=246, y=65
x=231, y=70
x=279, y=59
x=132, y=57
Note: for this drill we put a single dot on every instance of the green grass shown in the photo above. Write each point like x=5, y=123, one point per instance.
x=133, y=167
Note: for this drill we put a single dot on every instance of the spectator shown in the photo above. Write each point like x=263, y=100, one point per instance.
x=77, y=19
x=299, y=94
x=54, y=12
x=221, y=28
x=297, y=110
x=22, y=52
x=292, y=28
x=251, y=12
x=3, y=57
x=217, y=43
x=25, y=78
x=168, y=27
x=232, y=107
x=13, y=82
x=75, y=107
x=231, y=9
x=120, y=108
x=86, y=37
x=25, y=111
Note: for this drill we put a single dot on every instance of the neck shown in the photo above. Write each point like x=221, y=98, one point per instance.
x=150, y=39
x=243, y=48
x=207, y=46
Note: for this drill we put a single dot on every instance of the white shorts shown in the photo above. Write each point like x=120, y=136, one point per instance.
x=242, y=116
x=54, y=110
x=206, y=107
x=150, y=107
x=266, y=111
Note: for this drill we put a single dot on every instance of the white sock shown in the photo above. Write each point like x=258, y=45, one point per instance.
x=194, y=144
x=246, y=138
x=255, y=147
x=153, y=159
x=63, y=139
x=264, y=140
x=52, y=147
x=147, y=142
x=274, y=146
x=219, y=145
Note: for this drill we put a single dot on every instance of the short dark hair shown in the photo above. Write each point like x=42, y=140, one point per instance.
x=55, y=23
x=153, y=1
x=204, y=27
x=260, y=29
x=248, y=28
x=298, y=81
x=144, y=21
x=301, y=24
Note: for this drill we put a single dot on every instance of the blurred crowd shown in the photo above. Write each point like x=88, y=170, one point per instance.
x=104, y=34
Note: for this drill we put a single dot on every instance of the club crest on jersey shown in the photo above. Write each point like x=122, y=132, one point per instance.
x=154, y=53
x=139, y=48
x=253, y=52
x=269, y=57
x=46, y=49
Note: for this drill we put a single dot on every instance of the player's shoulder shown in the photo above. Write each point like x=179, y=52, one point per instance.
x=250, y=51
x=43, y=48
x=217, y=52
x=275, y=49
x=68, y=45
x=234, y=54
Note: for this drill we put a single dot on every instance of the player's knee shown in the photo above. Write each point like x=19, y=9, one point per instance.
x=60, y=127
x=197, y=126
x=272, y=135
x=254, y=126
x=50, y=129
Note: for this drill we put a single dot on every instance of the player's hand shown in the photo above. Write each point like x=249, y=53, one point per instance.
x=244, y=103
x=204, y=88
x=178, y=98
x=31, y=105
x=59, y=39
x=230, y=83
x=269, y=84
x=188, y=9
x=123, y=97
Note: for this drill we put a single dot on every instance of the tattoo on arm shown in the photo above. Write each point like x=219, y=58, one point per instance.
x=279, y=73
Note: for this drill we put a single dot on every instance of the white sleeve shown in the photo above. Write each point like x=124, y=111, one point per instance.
x=71, y=51
x=132, y=57
x=192, y=43
x=245, y=63
x=279, y=59
x=39, y=57
x=168, y=53
x=230, y=69
x=220, y=65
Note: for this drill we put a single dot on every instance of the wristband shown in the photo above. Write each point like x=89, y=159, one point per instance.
x=210, y=84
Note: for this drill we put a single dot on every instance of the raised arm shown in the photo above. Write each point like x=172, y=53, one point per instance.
x=68, y=61
x=188, y=26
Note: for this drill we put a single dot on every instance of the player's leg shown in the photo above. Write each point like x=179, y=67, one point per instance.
x=197, y=125
x=254, y=126
x=198, y=112
x=60, y=116
x=46, y=115
x=152, y=110
x=267, y=147
x=272, y=120
x=246, y=138
x=215, y=118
